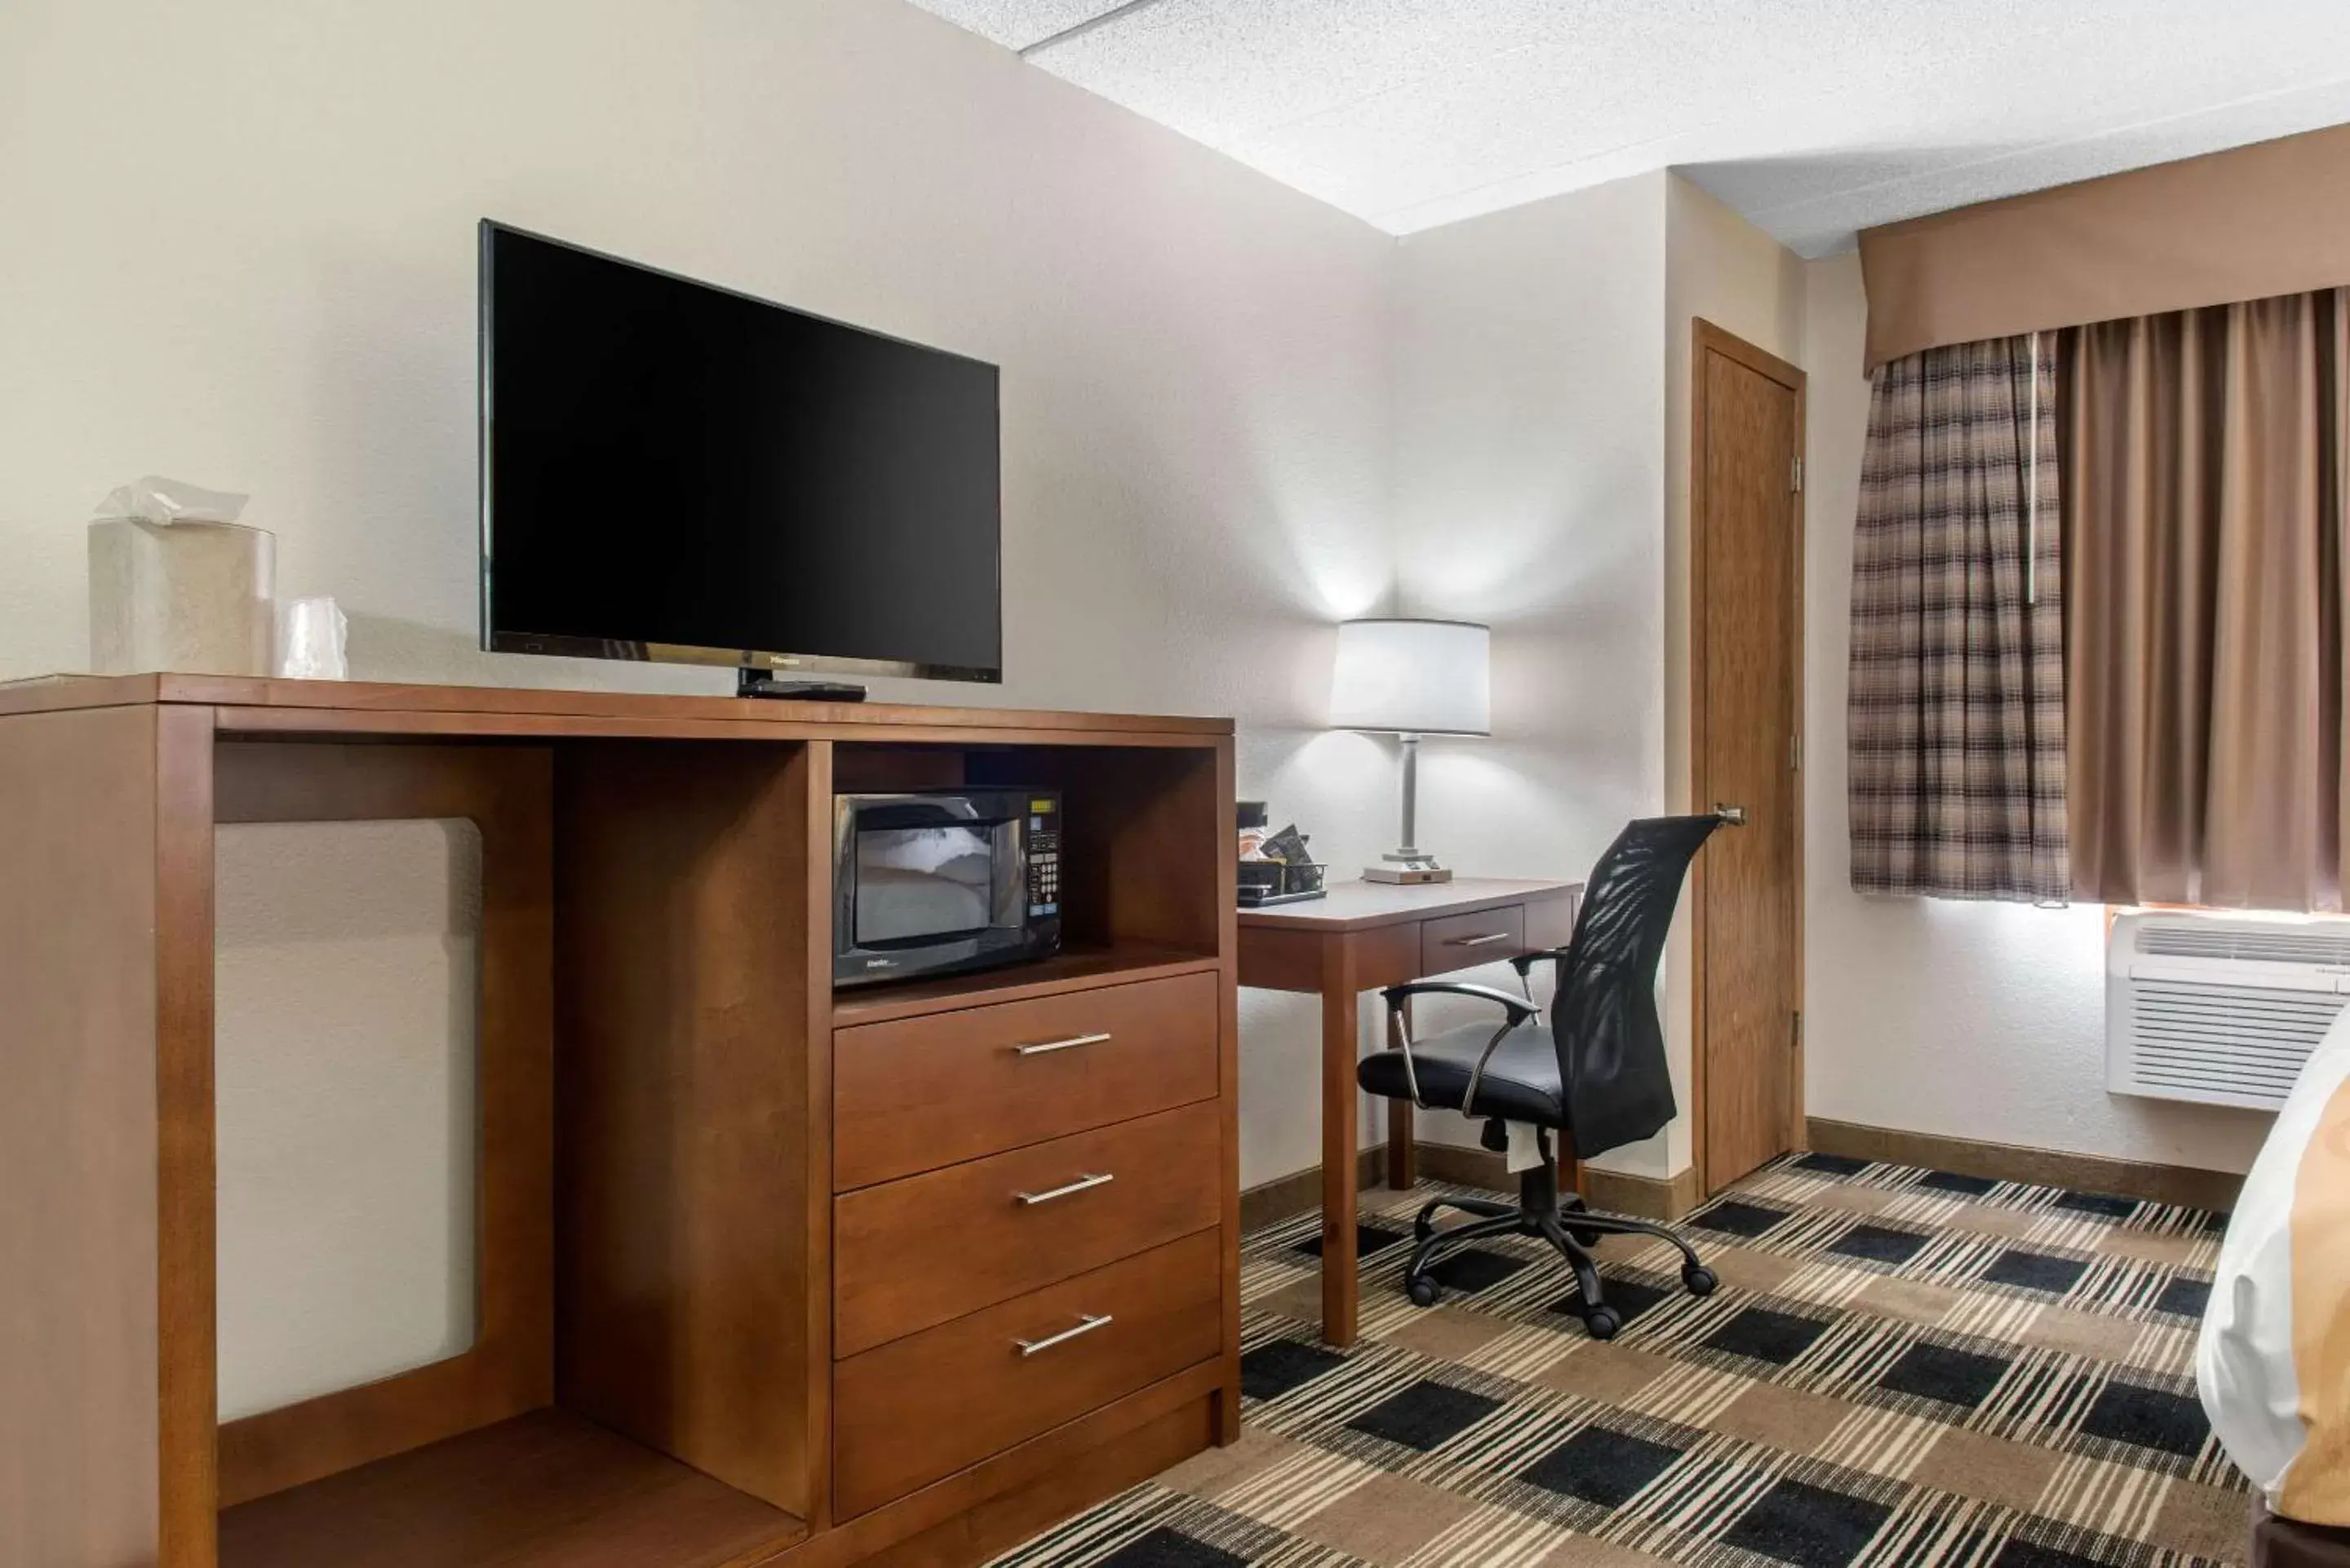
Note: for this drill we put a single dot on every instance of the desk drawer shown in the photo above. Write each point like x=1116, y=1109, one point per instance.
x=927, y=1405
x=920, y=1092
x=911, y=1254
x=1460, y=941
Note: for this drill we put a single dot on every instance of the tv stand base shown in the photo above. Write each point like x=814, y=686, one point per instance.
x=763, y=683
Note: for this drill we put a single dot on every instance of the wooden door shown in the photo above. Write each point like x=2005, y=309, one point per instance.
x=1746, y=620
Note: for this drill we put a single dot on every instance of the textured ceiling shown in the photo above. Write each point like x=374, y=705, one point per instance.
x=1814, y=118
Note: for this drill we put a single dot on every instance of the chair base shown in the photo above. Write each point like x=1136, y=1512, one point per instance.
x=1569, y=1228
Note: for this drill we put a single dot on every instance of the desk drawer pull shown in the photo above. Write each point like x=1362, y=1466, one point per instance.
x=1086, y=1324
x=1478, y=941
x=1082, y=1184
x=1048, y=1046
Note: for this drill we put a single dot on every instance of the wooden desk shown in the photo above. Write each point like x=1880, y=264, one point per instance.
x=1366, y=935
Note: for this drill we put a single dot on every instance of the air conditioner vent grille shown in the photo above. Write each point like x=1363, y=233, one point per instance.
x=2247, y=941
x=2242, y=1042
x=2220, y=1010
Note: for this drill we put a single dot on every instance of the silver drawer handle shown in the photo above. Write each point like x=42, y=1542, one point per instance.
x=1480, y=941
x=1082, y=1184
x=1086, y=1324
x=1072, y=1042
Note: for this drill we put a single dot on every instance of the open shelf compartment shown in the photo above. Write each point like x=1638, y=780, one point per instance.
x=546, y=1489
x=640, y=1389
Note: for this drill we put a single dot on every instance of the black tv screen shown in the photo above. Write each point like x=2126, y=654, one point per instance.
x=673, y=470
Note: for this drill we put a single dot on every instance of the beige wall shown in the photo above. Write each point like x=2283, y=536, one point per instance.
x=1542, y=485
x=1973, y=1021
x=1529, y=493
x=239, y=250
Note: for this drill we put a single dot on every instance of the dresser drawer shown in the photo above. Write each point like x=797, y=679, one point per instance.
x=925, y=1407
x=1458, y=942
x=917, y=1094
x=913, y=1253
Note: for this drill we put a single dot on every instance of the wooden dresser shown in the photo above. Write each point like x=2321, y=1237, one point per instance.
x=766, y=1274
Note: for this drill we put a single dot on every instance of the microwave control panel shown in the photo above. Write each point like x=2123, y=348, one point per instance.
x=1044, y=858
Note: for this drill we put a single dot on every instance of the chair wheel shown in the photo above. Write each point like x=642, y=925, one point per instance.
x=1601, y=1322
x=1585, y=1238
x=1421, y=1289
x=1423, y=1226
x=1699, y=1279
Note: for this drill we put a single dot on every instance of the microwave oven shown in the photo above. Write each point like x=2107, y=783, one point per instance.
x=937, y=881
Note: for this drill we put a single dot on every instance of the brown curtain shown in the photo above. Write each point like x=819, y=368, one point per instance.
x=2203, y=464
x=1956, y=718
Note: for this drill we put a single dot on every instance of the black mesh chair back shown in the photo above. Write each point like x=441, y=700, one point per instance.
x=1611, y=1044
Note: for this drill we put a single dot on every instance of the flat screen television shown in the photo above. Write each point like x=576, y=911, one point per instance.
x=673, y=470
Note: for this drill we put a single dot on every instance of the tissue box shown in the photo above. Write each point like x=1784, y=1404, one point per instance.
x=191, y=597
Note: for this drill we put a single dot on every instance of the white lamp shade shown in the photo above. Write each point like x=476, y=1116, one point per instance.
x=1412, y=677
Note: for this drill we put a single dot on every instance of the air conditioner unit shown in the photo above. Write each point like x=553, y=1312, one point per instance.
x=2219, y=1010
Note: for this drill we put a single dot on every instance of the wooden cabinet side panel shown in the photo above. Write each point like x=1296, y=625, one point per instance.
x=186, y=1175
x=814, y=780
x=1225, y=1421
x=80, y=1373
x=682, y=1119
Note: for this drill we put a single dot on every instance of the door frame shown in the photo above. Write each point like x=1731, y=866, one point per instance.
x=1706, y=337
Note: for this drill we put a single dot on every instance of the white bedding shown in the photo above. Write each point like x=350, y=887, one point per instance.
x=2274, y=1362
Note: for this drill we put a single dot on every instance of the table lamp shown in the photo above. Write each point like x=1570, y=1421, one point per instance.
x=1411, y=678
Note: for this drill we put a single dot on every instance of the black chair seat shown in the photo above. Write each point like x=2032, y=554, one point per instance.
x=1519, y=1085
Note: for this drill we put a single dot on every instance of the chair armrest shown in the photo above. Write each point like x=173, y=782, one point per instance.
x=1519, y=1010
x=1525, y=962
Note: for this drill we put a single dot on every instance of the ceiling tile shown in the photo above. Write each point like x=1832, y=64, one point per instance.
x=1017, y=23
x=1812, y=116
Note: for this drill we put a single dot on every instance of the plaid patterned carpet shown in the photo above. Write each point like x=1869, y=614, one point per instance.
x=1901, y=1367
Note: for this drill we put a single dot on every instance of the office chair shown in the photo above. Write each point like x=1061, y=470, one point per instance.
x=1598, y=1073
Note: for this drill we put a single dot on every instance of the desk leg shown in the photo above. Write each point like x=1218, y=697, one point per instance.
x=1403, y=1155
x=1340, y=1094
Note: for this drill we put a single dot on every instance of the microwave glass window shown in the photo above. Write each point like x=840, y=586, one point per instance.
x=917, y=883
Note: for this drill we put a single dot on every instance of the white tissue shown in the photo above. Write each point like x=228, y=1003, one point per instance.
x=154, y=499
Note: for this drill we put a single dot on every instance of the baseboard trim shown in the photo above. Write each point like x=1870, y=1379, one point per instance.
x=1647, y=1197
x=1643, y=1196
x=1652, y=1198
x=1300, y=1191
x=2179, y=1184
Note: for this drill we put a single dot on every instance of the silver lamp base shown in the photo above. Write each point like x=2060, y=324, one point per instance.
x=1407, y=866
